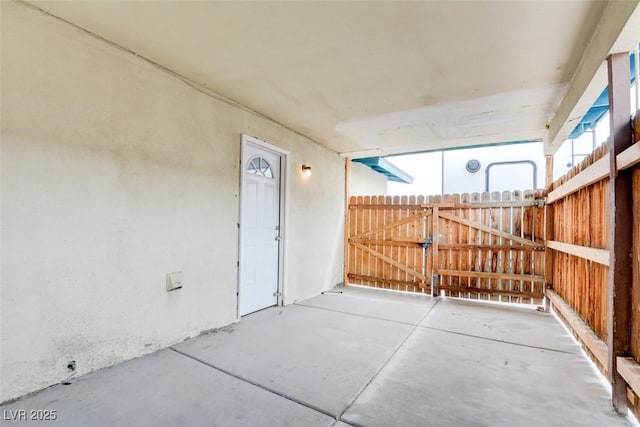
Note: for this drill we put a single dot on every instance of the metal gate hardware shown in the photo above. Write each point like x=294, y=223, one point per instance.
x=427, y=242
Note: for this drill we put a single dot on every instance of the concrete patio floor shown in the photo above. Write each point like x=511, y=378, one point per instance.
x=361, y=358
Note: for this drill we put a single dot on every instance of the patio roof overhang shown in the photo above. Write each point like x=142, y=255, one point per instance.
x=369, y=79
x=386, y=168
x=599, y=108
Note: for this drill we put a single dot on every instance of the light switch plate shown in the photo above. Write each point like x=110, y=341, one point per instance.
x=174, y=281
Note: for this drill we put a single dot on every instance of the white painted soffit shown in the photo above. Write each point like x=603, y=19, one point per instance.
x=366, y=77
x=618, y=31
x=508, y=117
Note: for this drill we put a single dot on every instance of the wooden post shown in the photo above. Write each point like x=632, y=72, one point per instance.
x=620, y=228
x=347, y=221
x=548, y=232
x=548, y=172
x=548, y=252
x=435, y=263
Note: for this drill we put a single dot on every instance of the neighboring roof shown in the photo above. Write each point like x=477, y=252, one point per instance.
x=598, y=109
x=386, y=168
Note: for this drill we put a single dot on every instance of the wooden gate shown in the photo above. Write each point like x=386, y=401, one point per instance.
x=478, y=246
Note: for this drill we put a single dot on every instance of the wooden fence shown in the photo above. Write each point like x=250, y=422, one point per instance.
x=580, y=239
x=512, y=246
x=583, y=288
x=478, y=246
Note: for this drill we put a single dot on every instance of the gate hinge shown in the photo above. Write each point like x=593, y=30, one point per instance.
x=277, y=294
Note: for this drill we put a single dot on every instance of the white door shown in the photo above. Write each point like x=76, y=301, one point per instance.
x=259, y=228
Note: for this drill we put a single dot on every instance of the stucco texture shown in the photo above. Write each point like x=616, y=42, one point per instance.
x=363, y=181
x=115, y=173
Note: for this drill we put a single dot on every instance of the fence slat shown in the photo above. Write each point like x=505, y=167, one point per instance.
x=592, y=174
x=485, y=243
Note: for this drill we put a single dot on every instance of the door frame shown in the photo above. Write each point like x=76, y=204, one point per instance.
x=285, y=174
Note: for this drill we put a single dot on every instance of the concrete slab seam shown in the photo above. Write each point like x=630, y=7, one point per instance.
x=355, y=314
x=499, y=341
x=248, y=381
x=373, y=377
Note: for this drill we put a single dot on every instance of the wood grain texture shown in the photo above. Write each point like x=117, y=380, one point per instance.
x=490, y=245
x=581, y=219
x=601, y=256
x=583, y=332
x=635, y=289
x=629, y=157
x=592, y=174
x=629, y=369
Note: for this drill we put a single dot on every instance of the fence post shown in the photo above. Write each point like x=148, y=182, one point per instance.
x=548, y=233
x=548, y=252
x=435, y=261
x=548, y=172
x=620, y=228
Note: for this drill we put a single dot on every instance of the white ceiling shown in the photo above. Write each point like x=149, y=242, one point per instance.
x=368, y=78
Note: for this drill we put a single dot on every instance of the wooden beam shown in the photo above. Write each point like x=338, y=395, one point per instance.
x=548, y=171
x=411, y=243
x=585, y=334
x=488, y=275
x=601, y=256
x=549, y=220
x=471, y=246
x=616, y=32
x=629, y=157
x=505, y=204
x=523, y=294
x=451, y=205
x=629, y=369
x=385, y=280
x=620, y=228
x=391, y=261
x=488, y=229
x=635, y=290
x=592, y=174
x=435, y=260
x=394, y=224
x=386, y=207
x=402, y=244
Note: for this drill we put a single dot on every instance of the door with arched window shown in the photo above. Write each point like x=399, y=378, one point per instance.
x=260, y=234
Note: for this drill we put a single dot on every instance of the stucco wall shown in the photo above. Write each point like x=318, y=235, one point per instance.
x=363, y=181
x=115, y=173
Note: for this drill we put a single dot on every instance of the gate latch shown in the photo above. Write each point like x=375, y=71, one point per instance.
x=427, y=241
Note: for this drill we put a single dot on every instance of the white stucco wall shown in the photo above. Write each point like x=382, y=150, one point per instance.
x=364, y=181
x=115, y=173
